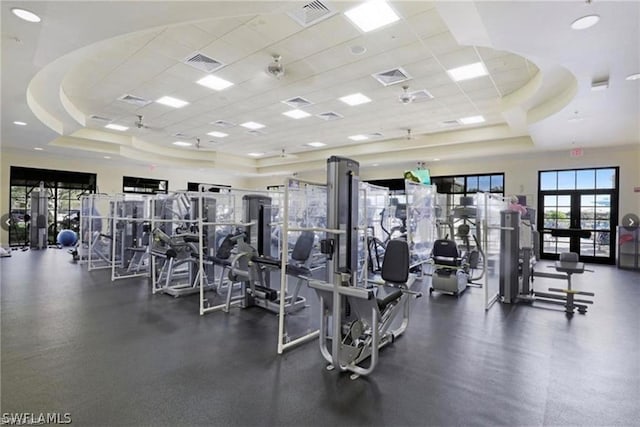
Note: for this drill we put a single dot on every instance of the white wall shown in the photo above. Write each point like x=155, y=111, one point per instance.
x=521, y=171
x=109, y=174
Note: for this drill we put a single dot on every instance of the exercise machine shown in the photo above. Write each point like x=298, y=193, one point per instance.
x=38, y=228
x=458, y=265
x=517, y=269
x=357, y=319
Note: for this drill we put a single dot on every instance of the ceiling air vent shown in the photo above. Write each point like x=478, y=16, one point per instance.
x=223, y=124
x=181, y=135
x=449, y=123
x=255, y=132
x=374, y=135
x=330, y=115
x=297, y=102
x=311, y=13
x=203, y=62
x=135, y=100
x=391, y=77
x=421, y=95
x=100, y=118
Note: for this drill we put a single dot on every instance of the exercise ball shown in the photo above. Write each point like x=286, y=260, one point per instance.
x=67, y=238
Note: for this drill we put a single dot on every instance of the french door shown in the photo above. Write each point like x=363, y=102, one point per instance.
x=578, y=212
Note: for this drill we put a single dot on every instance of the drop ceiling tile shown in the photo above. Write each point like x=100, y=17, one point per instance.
x=518, y=75
x=458, y=58
x=409, y=8
x=444, y=90
x=476, y=84
x=505, y=63
x=442, y=43
x=189, y=35
x=221, y=26
x=245, y=40
x=224, y=51
x=274, y=27
x=427, y=24
x=185, y=72
x=169, y=47
x=489, y=93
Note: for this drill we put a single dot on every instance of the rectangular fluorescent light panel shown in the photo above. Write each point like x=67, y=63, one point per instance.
x=355, y=99
x=296, y=114
x=467, y=72
x=255, y=154
x=182, y=144
x=217, y=134
x=315, y=144
x=215, y=83
x=114, y=126
x=252, y=125
x=172, y=102
x=358, y=137
x=371, y=15
x=471, y=120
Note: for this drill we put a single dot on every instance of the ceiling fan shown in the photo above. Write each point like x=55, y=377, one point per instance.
x=139, y=123
x=406, y=97
x=285, y=155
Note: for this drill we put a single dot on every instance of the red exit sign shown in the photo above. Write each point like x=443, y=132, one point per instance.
x=576, y=152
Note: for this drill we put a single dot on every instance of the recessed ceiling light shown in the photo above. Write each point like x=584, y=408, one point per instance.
x=107, y=157
x=182, y=144
x=436, y=160
x=358, y=137
x=172, y=102
x=471, y=120
x=467, y=72
x=296, y=114
x=635, y=76
x=19, y=123
x=375, y=164
x=252, y=125
x=355, y=99
x=116, y=127
x=255, y=154
x=217, y=134
x=585, y=22
x=316, y=144
x=371, y=15
x=215, y=83
x=26, y=15
x=38, y=148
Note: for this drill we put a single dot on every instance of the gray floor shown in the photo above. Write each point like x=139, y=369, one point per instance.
x=112, y=354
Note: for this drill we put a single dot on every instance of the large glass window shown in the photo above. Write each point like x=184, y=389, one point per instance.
x=132, y=184
x=63, y=188
x=578, y=212
x=456, y=187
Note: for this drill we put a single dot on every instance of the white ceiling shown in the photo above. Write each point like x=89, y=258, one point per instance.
x=83, y=56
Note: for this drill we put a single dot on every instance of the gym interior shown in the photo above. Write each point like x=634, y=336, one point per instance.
x=367, y=212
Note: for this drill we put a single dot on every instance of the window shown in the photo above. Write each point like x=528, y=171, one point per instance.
x=132, y=184
x=64, y=189
x=456, y=187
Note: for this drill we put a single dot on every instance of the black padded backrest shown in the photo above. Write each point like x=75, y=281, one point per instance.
x=395, y=265
x=569, y=257
x=303, y=246
x=445, y=248
x=227, y=245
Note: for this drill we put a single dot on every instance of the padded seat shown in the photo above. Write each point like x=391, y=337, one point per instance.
x=391, y=297
x=298, y=270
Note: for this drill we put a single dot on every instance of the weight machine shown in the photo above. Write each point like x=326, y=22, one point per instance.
x=517, y=268
x=356, y=321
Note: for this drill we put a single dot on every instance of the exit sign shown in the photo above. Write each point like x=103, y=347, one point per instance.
x=576, y=152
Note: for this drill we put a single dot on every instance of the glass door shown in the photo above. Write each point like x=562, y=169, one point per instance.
x=578, y=213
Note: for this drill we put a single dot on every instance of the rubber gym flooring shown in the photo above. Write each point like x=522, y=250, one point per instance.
x=113, y=354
